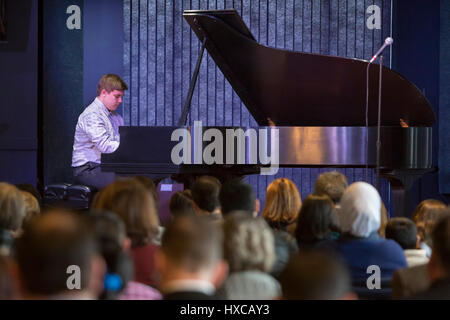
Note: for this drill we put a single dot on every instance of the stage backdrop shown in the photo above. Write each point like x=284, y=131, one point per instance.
x=160, y=53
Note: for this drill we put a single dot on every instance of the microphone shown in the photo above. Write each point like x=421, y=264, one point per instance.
x=386, y=43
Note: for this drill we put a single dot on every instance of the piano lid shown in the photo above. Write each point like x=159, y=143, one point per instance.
x=302, y=89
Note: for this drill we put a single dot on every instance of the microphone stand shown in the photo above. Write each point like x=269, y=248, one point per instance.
x=379, y=124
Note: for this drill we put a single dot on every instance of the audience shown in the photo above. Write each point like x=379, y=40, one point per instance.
x=238, y=196
x=404, y=232
x=134, y=204
x=250, y=253
x=190, y=260
x=181, y=204
x=332, y=184
x=359, y=244
x=281, y=210
x=117, y=252
x=205, y=193
x=12, y=213
x=316, y=275
x=57, y=246
x=314, y=222
x=113, y=243
x=425, y=216
x=439, y=265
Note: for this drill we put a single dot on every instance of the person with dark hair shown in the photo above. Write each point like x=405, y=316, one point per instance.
x=181, y=203
x=439, y=265
x=205, y=193
x=134, y=204
x=314, y=221
x=316, y=275
x=57, y=246
x=190, y=260
x=404, y=232
x=97, y=132
x=237, y=195
x=113, y=243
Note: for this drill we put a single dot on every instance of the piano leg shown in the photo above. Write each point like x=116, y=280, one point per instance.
x=401, y=182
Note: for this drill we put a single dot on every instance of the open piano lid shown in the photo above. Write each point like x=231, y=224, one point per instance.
x=302, y=89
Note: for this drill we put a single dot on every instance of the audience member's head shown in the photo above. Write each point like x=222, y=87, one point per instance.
x=384, y=218
x=181, y=203
x=439, y=265
x=55, y=247
x=332, y=183
x=205, y=193
x=29, y=188
x=315, y=219
x=425, y=216
x=359, y=214
x=403, y=231
x=32, y=209
x=236, y=195
x=12, y=207
x=150, y=186
x=110, y=234
x=316, y=275
x=283, y=203
x=248, y=244
x=191, y=248
x=134, y=204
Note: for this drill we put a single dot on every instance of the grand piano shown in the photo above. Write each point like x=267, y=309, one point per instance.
x=317, y=104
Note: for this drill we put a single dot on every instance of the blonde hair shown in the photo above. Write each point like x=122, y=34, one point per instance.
x=12, y=207
x=134, y=204
x=425, y=216
x=32, y=209
x=111, y=82
x=248, y=244
x=283, y=203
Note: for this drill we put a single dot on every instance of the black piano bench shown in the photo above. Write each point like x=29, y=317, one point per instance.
x=70, y=196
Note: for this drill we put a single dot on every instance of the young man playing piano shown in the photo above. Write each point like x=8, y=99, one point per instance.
x=97, y=132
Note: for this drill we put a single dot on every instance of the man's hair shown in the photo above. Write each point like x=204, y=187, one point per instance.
x=425, y=216
x=315, y=219
x=248, y=243
x=111, y=82
x=12, y=207
x=332, y=183
x=403, y=231
x=315, y=275
x=193, y=243
x=283, y=203
x=235, y=195
x=181, y=203
x=205, y=192
x=52, y=243
x=108, y=227
x=441, y=242
x=134, y=204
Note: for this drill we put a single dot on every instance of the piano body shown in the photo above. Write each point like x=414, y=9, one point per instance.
x=316, y=102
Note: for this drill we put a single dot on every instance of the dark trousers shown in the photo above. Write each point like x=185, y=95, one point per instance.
x=91, y=175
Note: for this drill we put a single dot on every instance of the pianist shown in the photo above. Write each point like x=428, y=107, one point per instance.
x=97, y=132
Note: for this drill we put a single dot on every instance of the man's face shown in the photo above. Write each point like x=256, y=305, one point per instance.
x=112, y=100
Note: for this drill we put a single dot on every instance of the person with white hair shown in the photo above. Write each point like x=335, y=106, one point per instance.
x=359, y=244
